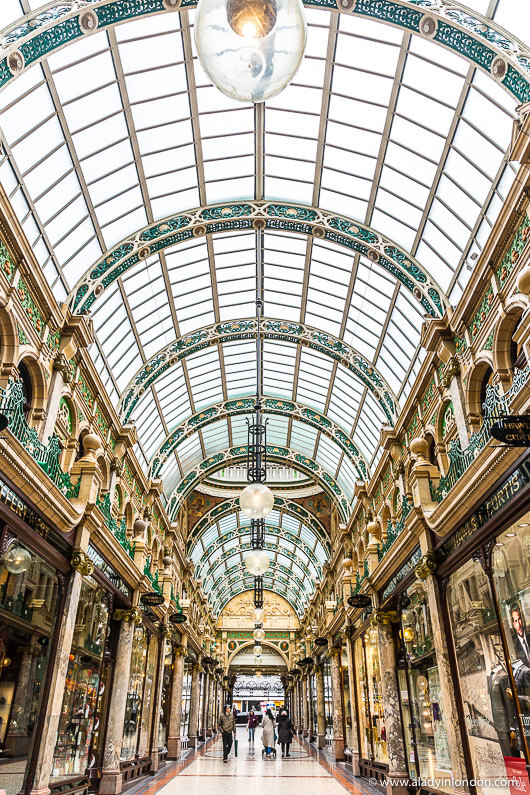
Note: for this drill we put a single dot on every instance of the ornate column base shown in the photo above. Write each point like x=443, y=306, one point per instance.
x=192, y=742
x=155, y=761
x=209, y=732
x=395, y=784
x=111, y=782
x=44, y=791
x=173, y=748
x=321, y=741
x=337, y=745
x=356, y=770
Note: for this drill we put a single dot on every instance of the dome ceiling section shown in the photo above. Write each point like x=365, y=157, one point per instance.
x=121, y=127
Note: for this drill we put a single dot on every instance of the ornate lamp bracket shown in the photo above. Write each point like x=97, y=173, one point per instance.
x=81, y=562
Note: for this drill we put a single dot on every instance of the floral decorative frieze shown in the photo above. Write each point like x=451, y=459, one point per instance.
x=296, y=333
x=22, y=338
x=245, y=405
x=30, y=307
x=295, y=218
x=85, y=391
x=481, y=313
x=101, y=422
x=7, y=265
x=519, y=241
x=274, y=453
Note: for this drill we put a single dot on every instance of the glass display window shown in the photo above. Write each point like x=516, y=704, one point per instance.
x=133, y=707
x=419, y=688
x=79, y=716
x=29, y=600
x=370, y=714
x=328, y=699
x=347, y=706
x=492, y=658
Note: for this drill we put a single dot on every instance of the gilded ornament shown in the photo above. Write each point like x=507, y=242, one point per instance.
x=384, y=617
x=81, y=562
x=426, y=566
x=132, y=616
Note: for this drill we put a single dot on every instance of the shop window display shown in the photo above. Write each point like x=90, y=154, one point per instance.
x=491, y=705
x=79, y=716
x=419, y=687
x=370, y=715
x=28, y=613
x=348, y=722
x=328, y=700
x=167, y=675
x=186, y=700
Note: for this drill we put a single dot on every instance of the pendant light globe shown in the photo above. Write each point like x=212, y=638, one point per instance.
x=258, y=614
x=257, y=562
x=258, y=635
x=256, y=501
x=250, y=49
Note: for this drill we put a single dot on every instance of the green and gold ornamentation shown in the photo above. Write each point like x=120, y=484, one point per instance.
x=30, y=307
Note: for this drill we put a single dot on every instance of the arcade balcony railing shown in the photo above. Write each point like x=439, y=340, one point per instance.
x=119, y=531
x=495, y=406
x=46, y=455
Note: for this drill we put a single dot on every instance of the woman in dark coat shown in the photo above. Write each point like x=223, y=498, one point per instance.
x=285, y=732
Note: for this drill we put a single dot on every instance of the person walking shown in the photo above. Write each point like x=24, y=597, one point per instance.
x=267, y=725
x=227, y=727
x=252, y=722
x=285, y=731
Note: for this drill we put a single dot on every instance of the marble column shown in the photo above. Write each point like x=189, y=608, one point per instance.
x=204, y=710
x=157, y=706
x=354, y=734
x=321, y=707
x=55, y=697
x=397, y=760
x=175, y=707
x=194, y=705
x=111, y=777
x=305, y=714
x=209, y=720
x=336, y=686
x=450, y=713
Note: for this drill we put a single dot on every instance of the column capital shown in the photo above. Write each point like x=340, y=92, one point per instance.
x=384, y=617
x=81, y=562
x=132, y=616
x=426, y=566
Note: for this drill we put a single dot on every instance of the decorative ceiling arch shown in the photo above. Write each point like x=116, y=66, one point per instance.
x=479, y=40
x=281, y=504
x=269, y=405
x=295, y=218
x=230, y=331
x=281, y=455
x=236, y=579
x=244, y=546
x=266, y=644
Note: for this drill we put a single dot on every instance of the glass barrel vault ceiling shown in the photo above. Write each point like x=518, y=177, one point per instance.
x=123, y=127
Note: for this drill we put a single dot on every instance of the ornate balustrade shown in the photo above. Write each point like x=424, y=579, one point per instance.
x=495, y=406
x=394, y=530
x=46, y=455
x=118, y=531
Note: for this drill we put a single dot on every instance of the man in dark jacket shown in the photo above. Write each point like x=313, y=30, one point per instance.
x=227, y=727
x=285, y=732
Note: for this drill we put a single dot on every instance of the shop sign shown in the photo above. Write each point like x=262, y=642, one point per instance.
x=406, y=569
x=152, y=599
x=178, y=618
x=359, y=600
x=513, y=430
x=489, y=508
x=23, y=511
x=106, y=569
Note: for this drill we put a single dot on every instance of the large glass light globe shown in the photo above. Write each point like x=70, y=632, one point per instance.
x=257, y=562
x=256, y=501
x=258, y=635
x=250, y=49
x=257, y=660
x=17, y=560
x=258, y=614
x=257, y=650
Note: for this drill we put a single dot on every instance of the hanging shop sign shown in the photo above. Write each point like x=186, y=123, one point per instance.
x=513, y=430
x=359, y=600
x=178, y=618
x=488, y=509
x=321, y=641
x=404, y=571
x=152, y=599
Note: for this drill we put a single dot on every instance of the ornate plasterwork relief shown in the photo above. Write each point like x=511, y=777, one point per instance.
x=237, y=614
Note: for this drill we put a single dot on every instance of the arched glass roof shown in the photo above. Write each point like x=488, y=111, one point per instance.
x=122, y=128
x=297, y=557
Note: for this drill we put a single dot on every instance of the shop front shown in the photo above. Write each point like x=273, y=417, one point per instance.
x=34, y=566
x=485, y=571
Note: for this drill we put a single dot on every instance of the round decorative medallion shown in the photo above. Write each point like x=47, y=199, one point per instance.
x=88, y=21
x=199, y=231
x=258, y=223
x=144, y=252
x=171, y=5
x=499, y=67
x=373, y=255
x=428, y=26
x=15, y=62
x=346, y=5
x=319, y=231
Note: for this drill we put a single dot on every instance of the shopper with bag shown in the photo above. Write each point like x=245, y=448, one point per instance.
x=285, y=732
x=227, y=727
